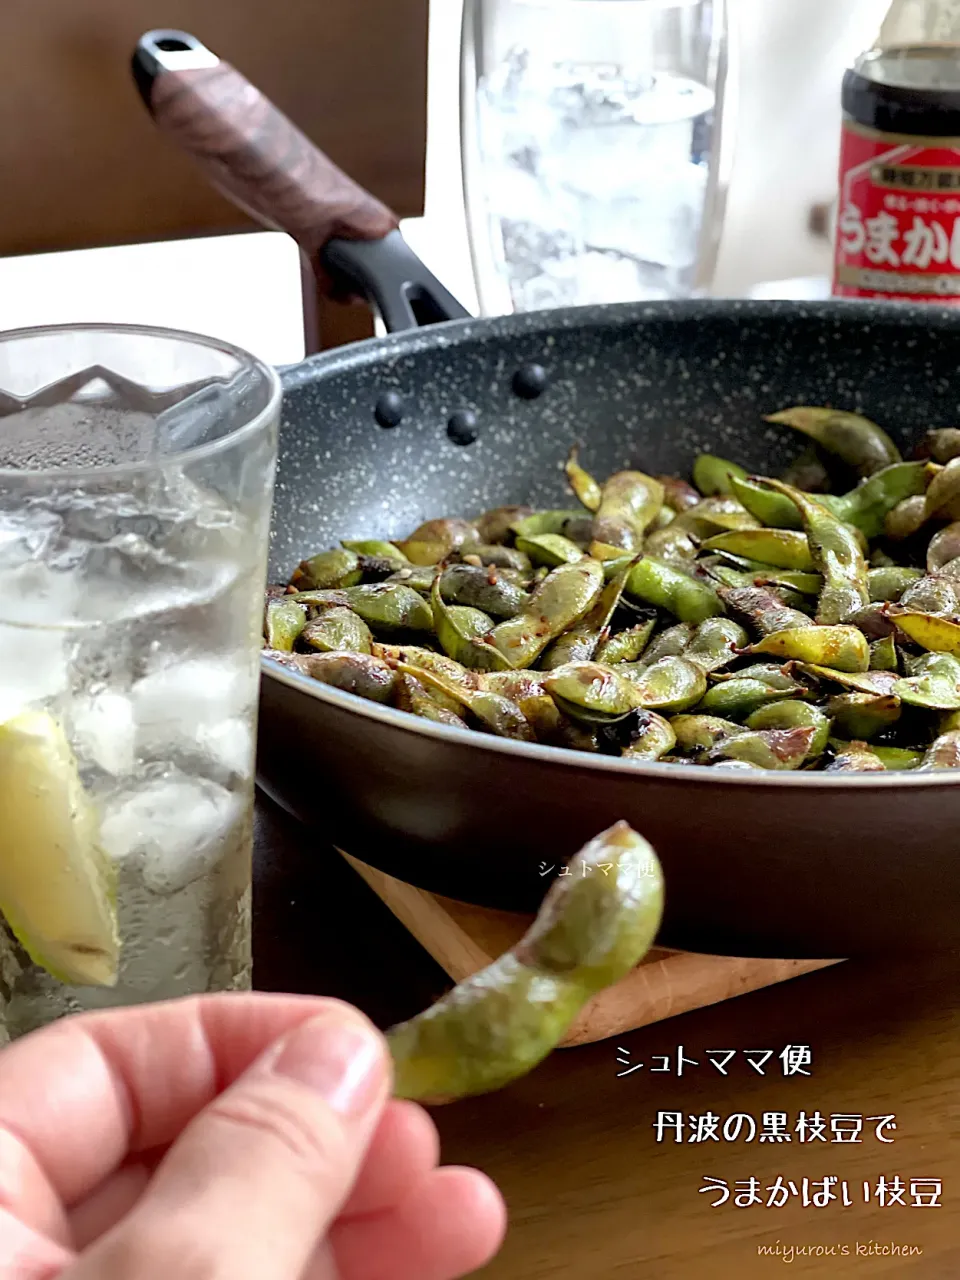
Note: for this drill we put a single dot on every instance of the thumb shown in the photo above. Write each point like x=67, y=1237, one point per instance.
x=250, y=1188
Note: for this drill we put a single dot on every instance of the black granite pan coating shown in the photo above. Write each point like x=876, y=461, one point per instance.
x=771, y=865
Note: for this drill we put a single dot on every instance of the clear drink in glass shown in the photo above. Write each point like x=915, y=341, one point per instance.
x=595, y=139
x=136, y=478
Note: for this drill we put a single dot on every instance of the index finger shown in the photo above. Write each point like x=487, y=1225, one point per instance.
x=84, y=1093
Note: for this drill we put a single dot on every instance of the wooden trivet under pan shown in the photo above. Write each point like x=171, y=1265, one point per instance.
x=464, y=939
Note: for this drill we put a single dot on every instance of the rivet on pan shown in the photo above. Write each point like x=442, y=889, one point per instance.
x=462, y=427
x=389, y=409
x=530, y=381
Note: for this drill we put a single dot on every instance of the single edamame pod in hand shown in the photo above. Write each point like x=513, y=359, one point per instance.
x=855, y=440
x=593, y=928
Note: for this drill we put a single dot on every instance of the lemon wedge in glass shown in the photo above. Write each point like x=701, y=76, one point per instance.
x=57, y=886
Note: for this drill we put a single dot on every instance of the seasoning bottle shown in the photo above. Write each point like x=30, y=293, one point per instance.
x=898, y=222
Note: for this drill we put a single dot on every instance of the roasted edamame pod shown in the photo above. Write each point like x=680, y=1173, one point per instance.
x=654, y=604
x=657, y=584
x=580, y=643
x=559, y=602
x=629, y=504
x=836, y=554
x=284, y=621
x=337, y=568
x=855, y=440
x=651, y=737
x=581, y=482
x=593, y=928
x=712, y=475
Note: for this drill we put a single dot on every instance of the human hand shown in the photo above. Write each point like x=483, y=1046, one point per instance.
x=230, y=1137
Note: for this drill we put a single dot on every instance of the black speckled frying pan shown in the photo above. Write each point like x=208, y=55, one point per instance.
x=453, y=417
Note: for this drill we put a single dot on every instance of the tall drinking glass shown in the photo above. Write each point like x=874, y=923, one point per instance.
x=596, y=139
x=136, y=478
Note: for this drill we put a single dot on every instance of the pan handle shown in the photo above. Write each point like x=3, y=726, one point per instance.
x=262, y=162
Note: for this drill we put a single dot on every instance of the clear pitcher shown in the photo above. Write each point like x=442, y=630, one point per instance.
x=596, y=148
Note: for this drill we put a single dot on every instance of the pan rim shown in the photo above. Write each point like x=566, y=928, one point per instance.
x=454, y=333
x=564, y=756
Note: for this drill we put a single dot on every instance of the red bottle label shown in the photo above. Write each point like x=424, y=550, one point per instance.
x=898, y=220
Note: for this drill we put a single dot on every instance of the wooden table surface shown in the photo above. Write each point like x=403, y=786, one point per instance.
x=592, y=1193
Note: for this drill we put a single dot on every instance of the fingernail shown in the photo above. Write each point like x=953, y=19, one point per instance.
x=343, y=1061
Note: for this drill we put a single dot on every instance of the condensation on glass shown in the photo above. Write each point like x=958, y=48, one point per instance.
x=596, y=147
x=136, y=477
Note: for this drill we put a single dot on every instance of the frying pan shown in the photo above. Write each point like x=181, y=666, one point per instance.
x=456, y=415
